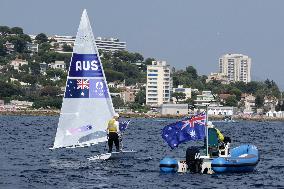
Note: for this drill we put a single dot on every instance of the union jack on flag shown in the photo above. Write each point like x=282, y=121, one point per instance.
x=83, y=83
x=200, y=119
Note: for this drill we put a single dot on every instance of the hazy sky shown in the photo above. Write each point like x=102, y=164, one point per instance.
x=182, y=32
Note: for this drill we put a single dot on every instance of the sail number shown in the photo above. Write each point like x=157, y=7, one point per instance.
x=87, y=65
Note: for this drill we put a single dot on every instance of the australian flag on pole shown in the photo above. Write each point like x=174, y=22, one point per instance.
x=123, y=125
x=189, y=129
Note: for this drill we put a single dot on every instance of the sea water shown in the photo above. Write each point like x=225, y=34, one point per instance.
x=27, y=162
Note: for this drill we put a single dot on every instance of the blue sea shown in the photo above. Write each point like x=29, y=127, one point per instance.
x=27, y=162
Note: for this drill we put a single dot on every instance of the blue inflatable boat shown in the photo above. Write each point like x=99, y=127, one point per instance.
x=243, y=159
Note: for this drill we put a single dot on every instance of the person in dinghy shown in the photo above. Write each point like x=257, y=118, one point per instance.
x=113, y=133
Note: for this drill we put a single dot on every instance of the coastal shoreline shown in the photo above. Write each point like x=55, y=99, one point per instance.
x=141, y=115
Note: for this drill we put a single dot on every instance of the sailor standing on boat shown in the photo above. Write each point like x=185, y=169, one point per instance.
x=219, y=134
x=113, y=133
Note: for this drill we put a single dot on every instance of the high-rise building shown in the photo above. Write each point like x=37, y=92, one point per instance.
x=159, y=83
x=237, y=67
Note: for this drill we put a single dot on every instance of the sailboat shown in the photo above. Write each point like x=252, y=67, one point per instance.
x=87, y=106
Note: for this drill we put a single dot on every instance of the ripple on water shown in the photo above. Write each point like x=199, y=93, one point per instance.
x=26, y=161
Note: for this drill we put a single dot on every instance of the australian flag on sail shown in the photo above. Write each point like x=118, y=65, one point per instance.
x=123, y=125
x=190, y=129
x=86, y=88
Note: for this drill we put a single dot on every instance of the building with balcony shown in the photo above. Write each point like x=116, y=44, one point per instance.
x=237, y=67
x=110, y=44
x=205, y=98
x=32, y=47
x=159, y=84
x=57, y=65
x=248, y=102
x=181, y=89
x=104, y=44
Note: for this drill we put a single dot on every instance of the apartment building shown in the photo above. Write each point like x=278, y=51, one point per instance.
x=237, y=67
x=159, y=84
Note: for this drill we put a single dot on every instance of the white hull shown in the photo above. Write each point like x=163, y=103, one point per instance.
x=114, y=155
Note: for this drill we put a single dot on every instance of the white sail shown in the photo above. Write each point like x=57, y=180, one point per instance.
x=87, y=104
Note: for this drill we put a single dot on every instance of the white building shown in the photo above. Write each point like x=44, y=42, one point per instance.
x=174, y=109
x=181, y=89
x=236, y=67
x=105, y=44
x=21, y=104
x=33, y=47
x=57, y=65
x=248, y=100
x=111, y=44
x=43, y=67
x=10, y=47
x=221, y=110
x=205, y=98
x=63, y=39
x=17, y=63
x=159, y=83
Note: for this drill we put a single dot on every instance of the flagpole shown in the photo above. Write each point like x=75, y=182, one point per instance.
x=207, y=130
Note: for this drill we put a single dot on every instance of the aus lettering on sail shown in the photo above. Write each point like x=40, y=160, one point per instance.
x=85, y=65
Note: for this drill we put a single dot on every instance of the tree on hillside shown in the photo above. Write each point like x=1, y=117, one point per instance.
x=149, y=61
x=41, y=38
x=4, y=30
x=259, y=100
x=2, y=49
x=112, y=75
x=8, y=89
x=67, y=48
x=44, y=47
x=236, y=92
x=140, y=97
x=231, y=101
x=55, y=73
x=50, y=91
x=117, y=102
x=18, y=42
x=192, y=71
x=25, y=68
x=16, y=30
x=34, y=67
x=29, y=79
x=179, y=96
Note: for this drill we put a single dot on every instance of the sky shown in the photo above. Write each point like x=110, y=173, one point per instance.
x=181, y=32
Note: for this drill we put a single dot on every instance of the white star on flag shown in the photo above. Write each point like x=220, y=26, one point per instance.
x=192, y=133
x=82, y=94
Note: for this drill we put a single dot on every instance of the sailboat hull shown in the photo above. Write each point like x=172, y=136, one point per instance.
x=114, y=155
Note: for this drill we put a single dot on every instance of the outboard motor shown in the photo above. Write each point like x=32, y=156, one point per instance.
x=192, y=160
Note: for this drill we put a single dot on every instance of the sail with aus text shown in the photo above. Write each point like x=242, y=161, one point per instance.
x=87, y=104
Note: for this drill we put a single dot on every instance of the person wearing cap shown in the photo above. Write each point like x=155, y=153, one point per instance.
x=113, y=130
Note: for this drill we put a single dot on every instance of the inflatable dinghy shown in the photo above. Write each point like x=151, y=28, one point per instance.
x=243, y=158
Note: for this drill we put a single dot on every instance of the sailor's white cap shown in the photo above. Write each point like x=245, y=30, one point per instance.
x=116, y=115
x=210, y=124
